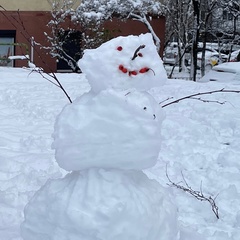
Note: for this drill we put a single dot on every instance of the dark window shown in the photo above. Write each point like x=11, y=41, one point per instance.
x=230, y=16
x=72, y=47
x=225, y=15
x=7, y=38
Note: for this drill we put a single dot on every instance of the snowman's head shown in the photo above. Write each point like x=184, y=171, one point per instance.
x=123, y=63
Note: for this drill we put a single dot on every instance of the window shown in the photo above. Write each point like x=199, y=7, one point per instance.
x=72, y=47
x=230, y=16
x=6, y=47
x=227, y=16
x=224, y=15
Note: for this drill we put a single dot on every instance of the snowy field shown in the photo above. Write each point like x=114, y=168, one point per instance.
x=200, y=141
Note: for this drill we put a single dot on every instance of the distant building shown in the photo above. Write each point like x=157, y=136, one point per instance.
x=229, y=20
x=23, y=21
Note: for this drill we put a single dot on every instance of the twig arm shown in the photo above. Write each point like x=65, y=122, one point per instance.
x=223, y=90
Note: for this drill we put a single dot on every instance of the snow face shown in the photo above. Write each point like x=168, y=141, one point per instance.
x=112, y=129
x=123, y=63
x=101, y=204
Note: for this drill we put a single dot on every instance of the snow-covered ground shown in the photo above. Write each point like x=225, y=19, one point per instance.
x=200, y=141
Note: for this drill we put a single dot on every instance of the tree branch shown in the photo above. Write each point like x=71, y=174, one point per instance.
x=208, y=101
x=137, y=50
x=223, y=90
x=18, y=22
x=197, y=194
x=144, y=20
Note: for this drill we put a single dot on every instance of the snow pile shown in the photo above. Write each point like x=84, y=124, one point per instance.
x=119, y=65
x=101, y=204
x=125, y=131
x=199, y=140
x=106, y=137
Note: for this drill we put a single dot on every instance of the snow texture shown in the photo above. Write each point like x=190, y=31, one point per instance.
x=106, y=9
x=98, y=204
x=111, y=64
x=200, y=140
x=125, y=131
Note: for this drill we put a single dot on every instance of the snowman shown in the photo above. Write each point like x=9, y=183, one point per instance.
x=105, y=139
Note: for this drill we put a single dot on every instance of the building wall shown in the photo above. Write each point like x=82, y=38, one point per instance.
x=29, y=24
x=124, y=28
x=30, y=5
x=26, y=5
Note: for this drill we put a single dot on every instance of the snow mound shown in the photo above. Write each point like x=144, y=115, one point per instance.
x=98, y=204
x=112, y=129
x=113, y=64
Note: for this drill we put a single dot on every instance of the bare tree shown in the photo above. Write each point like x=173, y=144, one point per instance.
x=207, y=10
x=195, y=38
x=178, y=25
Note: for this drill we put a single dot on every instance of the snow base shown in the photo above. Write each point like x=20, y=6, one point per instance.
x=98, y=204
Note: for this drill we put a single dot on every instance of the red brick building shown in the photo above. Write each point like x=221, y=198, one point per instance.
x=19, y=27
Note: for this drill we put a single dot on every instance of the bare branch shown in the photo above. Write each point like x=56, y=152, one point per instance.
x=40, y=71
x=137, y=50
x=223, y=90
x=197, y=194
x=16, y=23
x=165, y=100
x=208, y=101
x=142, y=18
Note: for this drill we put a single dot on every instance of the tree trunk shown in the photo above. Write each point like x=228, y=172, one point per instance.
x=196, y=8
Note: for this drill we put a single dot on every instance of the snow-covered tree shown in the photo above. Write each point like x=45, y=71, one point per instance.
x=59, y=33
x=95, y=12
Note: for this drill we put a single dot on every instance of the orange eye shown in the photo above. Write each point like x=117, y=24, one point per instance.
x=119, y=48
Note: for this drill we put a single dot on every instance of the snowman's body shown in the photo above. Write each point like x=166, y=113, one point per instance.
x=106, y=137
x=125, y=131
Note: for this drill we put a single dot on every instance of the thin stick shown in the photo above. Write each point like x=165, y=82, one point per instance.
x=137, y=50
x=197, y=194
x=223, y=90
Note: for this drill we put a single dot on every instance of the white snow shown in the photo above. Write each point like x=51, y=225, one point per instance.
x=31, y=65
x=225, y=72
x=125, y=131
x=232, y=67
x=101, y=204
x=21, y=57
x=199, y=140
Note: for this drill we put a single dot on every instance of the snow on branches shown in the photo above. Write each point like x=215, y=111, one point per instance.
x=104, y=9
x=98, y=11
